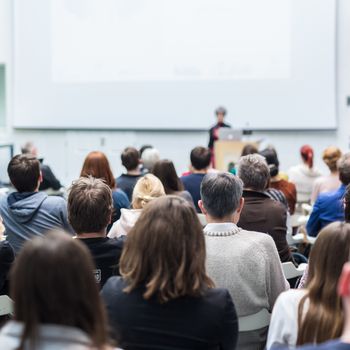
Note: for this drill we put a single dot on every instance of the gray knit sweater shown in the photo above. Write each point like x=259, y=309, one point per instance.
x=247, y=264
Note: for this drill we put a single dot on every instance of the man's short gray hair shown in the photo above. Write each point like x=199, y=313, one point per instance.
x=254, y=172
x=150, y=156
x=221, y=194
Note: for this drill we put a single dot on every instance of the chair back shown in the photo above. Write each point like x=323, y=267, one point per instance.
x=6, y=305
x=253, y=322
x=290, y=271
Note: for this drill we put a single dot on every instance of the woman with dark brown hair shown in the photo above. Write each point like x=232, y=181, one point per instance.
x=314, y=314
x=56, y=300
x=164, y=299
x=97, y=165
x=166, y=173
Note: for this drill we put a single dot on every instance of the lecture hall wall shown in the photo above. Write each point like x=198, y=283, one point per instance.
x=65, y=149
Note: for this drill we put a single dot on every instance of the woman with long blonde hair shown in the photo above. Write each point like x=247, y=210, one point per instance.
x=314, y=314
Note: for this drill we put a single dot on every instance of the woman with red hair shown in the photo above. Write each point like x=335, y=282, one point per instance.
x=97, y=165
x=303, y=175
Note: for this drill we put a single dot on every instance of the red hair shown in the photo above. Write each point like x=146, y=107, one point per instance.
x=307, y=153
x=97, y=165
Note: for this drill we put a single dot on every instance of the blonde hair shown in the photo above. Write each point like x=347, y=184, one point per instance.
x=330, y=156
x=146, y=189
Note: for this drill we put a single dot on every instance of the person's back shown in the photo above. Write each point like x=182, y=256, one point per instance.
x=200, y=161
x=89, y=211
x=130, y=158
x=261, y=213
x=181, y=323
x=232, y=254
x=28, y=213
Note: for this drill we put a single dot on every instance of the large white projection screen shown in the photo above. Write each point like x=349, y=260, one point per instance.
x=167, y=64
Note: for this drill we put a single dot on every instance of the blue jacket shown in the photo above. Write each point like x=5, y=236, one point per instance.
x=327, y=209
x=27, y=215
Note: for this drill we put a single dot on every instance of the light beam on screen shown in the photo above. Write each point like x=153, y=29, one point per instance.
x=172, y=40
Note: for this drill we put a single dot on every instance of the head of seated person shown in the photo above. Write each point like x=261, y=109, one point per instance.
x=130, y=158
x=90, y=207
x=150, y=156
x=166, y=173
x=254, y=172
x=249, y=149
x=96, y=164
x=146, y=189
x=221, y=195
x=24, y=173
x=344, y=169
x=200, y=159
x=54, y=292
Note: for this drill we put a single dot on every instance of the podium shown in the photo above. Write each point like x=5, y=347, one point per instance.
x=228, y=151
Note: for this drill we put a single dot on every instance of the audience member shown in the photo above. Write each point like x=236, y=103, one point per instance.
x=261, y=213
x=147, y=188
x=314, y=314
x=233, y=254
x=249, y=149
x=329, y=205
x=56, y=300
x=276, y=182
x=131, y=162
x=49, y=180
x=165, y=299
x=28, y=212
x=200, y=162
x=7, y=257
x=342, y=343
x=304, y=175
x=90, y=208
x=97, y=165
x=166, y=173
x=149, y=157
x=330, y=156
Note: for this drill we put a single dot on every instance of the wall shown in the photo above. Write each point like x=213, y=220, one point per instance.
x=64, y=150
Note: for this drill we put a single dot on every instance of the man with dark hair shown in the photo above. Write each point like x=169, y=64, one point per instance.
x=131, y=161
x=49, y=180
x=260, y=212
x=28, y=212
x=200, y=162
x=244, y=262
x=90, y=207
x=329, y=206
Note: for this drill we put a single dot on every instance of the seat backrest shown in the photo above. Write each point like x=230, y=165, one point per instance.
x=256, y=321
x=6, y=305
x=290, y=271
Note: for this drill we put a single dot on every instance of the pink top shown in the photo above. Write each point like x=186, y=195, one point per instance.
x=325, y=184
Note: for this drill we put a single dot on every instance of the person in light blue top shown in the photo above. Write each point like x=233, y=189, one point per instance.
x=329, y=205
x=27, y=212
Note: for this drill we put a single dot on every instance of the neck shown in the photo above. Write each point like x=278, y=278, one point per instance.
x=227, y=219
x=203, y=171
x=134, y=172
x=101, y=234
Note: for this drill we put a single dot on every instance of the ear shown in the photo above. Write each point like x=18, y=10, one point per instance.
x=201, y=207
x=344, y=281
x=241, y=205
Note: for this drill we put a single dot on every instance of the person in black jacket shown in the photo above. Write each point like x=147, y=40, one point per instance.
x=49, y=179
x=164, y=299
x=90, y=209
x=213, y=131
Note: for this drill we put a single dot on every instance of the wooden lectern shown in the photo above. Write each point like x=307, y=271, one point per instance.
x=227, y=151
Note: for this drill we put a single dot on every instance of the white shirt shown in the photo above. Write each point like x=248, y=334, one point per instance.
x=283, y=328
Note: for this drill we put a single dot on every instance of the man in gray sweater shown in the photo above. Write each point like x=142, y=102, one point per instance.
x=28, y=213
x=244, y=262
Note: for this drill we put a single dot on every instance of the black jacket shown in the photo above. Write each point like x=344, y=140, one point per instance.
x=208, y=322
x=212, y=133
